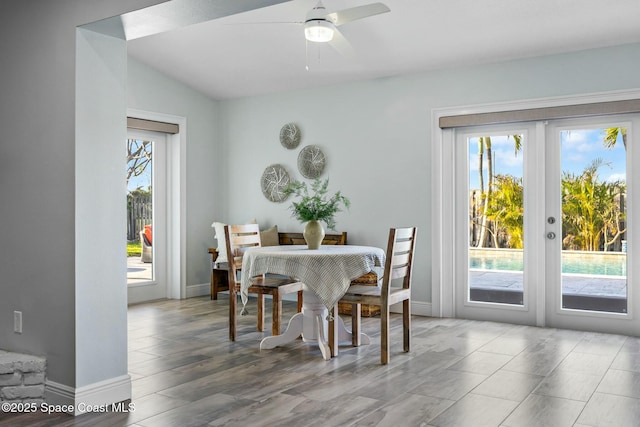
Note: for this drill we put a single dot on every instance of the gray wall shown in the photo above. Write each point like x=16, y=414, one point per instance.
x=37, y=180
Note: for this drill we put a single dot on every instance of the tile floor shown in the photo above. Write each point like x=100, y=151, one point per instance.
x=459, y=373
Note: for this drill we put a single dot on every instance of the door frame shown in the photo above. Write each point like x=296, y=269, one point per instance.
x=442, y=186
x=176, y=201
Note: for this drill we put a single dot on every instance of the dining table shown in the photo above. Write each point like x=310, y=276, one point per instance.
x=326, y=272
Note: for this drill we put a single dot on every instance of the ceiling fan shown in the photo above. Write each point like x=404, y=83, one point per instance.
x=320, y=26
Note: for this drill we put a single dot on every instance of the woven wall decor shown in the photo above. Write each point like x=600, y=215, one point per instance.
x=275, y=179
x=311, y=161
x=290, y=136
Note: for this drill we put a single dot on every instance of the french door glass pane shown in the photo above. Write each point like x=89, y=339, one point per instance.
x=594, y=221
x=496, y=219
x=139, y=211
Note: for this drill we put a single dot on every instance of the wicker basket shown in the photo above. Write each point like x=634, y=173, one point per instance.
x=369, y=279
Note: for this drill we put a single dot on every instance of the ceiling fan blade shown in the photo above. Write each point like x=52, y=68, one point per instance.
x=345, y=16
x=341, y=45
x=265, y=22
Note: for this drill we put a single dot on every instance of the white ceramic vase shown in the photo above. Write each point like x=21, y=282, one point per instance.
x=313, y=234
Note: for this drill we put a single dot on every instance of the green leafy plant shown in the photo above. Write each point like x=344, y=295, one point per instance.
x=315, y=204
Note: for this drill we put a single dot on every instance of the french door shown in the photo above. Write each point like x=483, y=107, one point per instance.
x=544, y=226
x=496, y=246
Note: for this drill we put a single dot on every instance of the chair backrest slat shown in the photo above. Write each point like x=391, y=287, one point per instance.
x=400, y=259
x=399, y=272
x=403, y=246
x=408, y=233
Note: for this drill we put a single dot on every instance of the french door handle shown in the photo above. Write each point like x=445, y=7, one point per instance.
x=551, y=235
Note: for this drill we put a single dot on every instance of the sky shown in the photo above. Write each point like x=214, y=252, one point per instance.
x=578, y=149
x=143, y=181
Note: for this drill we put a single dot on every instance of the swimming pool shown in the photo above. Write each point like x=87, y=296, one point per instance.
x=573, y=262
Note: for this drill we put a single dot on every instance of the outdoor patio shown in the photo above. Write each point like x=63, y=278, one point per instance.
x=138, y=271
x=602, y=293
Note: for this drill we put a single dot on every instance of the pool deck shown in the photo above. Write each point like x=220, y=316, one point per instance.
x=572, y=284
x=492, y=280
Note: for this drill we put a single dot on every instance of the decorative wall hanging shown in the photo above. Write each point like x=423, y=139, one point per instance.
x=290, y=136
x=275, y=179
x=311, y=161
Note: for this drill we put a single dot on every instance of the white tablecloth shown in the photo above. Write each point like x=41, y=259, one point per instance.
x=327, y=271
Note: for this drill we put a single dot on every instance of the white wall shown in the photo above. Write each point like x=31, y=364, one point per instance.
x=376, y=136
x=101, y=298
x=149, y=90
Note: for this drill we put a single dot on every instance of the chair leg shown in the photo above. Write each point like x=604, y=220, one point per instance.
x=356, y=324
x=276, y=313
x=260, y=326
x=233, y=323
x=333, y=332
x=214, y=288
x=299, y=301
x=406, y=324
x=384, y=334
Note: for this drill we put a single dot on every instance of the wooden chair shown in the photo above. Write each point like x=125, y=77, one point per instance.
x=238, y=238
x=298, y=239
x=398, y=266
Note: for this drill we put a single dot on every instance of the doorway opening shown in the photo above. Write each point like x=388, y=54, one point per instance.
x=147, y=213
x=140, y=177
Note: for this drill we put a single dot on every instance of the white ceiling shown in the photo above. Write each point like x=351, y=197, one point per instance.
x=242, y=55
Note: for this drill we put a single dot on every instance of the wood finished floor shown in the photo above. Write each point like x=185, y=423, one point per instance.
x=459, y=373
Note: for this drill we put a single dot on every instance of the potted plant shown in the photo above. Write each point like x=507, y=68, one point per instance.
x=315, y=206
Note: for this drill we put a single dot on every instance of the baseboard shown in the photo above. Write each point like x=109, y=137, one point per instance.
x=89, y=398
x=198, y=290
x=58, y=394
x=418, y=308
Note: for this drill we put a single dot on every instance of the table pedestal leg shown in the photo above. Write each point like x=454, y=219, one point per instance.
x=310, y=323
x=322, y=342
x=293, y=331
x=345, y=335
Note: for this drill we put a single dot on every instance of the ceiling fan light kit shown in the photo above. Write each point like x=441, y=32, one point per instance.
x=318, y=31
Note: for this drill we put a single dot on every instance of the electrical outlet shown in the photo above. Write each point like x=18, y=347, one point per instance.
x=17, y=322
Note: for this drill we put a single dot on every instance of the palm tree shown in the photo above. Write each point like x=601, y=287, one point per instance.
x=484, y=145
x=506, y=208
x=611, y=137
x=614, y=215
x=609, y=141
x=484, y=142
x=590, y=213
